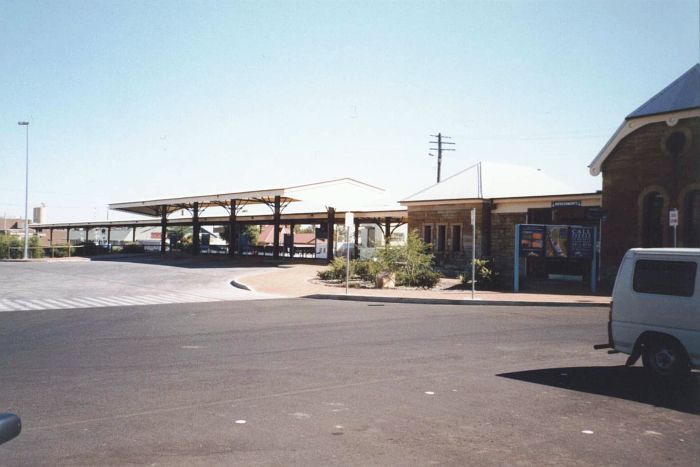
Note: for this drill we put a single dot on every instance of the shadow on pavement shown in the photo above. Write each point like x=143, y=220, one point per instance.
x=630, y=383
x=203, y=261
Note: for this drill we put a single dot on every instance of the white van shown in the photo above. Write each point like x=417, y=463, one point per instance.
x=655, y=310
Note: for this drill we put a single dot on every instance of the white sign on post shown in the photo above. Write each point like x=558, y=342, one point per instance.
x=473, y=251
x=673, y=218
x=349, y=219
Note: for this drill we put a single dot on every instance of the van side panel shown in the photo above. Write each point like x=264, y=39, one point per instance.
x=636, y=312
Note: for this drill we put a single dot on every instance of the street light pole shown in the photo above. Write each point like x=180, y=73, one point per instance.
x=26, y=193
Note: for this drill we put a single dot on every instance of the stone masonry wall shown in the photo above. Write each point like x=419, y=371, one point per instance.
x=449, y=215
x=503, y=244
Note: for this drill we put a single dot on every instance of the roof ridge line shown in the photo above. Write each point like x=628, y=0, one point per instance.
x=436, y=184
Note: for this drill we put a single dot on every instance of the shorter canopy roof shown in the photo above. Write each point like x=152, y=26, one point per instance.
x=156, y=207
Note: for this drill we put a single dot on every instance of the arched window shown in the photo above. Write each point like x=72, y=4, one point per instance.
x=652, y=226
x=691, y=219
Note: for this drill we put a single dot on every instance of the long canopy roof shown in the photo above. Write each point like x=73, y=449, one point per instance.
x=336, y=193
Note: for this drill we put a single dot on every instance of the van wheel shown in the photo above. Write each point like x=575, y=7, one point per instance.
x=665, y=358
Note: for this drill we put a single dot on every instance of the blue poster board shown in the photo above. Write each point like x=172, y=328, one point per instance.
x=560, y=241
x=532, y=238
x=581, y=242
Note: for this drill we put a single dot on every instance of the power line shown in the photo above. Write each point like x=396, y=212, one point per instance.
x=440, y=143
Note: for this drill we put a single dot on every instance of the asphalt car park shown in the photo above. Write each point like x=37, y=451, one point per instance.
x=322, y=382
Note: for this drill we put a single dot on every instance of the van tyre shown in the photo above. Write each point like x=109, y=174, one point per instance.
x=666, y=359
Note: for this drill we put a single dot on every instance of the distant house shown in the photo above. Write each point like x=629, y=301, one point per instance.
x=651, y=166
x=503, y=196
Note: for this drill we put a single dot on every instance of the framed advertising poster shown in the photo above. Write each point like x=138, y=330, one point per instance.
x=581, y=242
x=557, y=241
x=532, y=240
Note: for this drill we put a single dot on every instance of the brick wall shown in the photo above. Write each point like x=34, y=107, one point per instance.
x=640, y=164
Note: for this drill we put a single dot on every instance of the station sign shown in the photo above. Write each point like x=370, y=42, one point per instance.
x=567, y=204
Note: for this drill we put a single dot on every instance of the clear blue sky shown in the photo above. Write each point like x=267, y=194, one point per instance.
x=130, y=99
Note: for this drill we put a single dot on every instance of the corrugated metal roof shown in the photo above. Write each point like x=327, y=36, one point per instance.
x=682, y=94
x=498, y=181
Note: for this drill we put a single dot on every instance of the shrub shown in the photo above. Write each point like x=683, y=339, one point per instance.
x=10, y=247
x=35, y=251
x=335, y=271
x=61, y=251
x=486, y=276
x=365, y=269
x=412, y=263
x=133, y=248
x=424, y=278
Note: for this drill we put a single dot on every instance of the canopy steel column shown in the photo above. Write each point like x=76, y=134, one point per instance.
x=357, y=238
x=195, y=228
x=68, y=235
x=387, y=230
x=331, y=233
x=109, y=238
x=51, y=237
x=87, y=234
x=133, y=234
x=163, y=227
x=276, y=233
x=291, y=240
x=232, y=243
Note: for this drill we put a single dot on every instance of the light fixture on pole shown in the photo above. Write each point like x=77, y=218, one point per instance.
x=26, y=193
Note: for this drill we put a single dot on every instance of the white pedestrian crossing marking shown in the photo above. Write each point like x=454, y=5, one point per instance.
x=24, y=304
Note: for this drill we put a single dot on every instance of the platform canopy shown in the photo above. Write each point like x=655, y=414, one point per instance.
x=339, y=193
x=154, y=207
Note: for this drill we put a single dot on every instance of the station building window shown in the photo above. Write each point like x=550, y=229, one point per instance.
x=456, y=238
x=428, y=234
x=441, y=237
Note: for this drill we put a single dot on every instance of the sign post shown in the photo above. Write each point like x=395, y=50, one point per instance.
x=349, y=222
x=516, y=260
x=473, y=219
x=673, y=222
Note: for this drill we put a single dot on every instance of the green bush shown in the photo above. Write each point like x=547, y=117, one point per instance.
x=424, y=278
x=412, y=263
x=34, y=248
x=486, y=276
x=365, y=269
x=10, y=247
x=61, y=251
x=335, y=271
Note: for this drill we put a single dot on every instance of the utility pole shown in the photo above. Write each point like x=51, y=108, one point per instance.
x=440, y=143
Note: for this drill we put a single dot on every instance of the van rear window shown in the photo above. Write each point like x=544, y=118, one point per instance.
x=665, y=277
